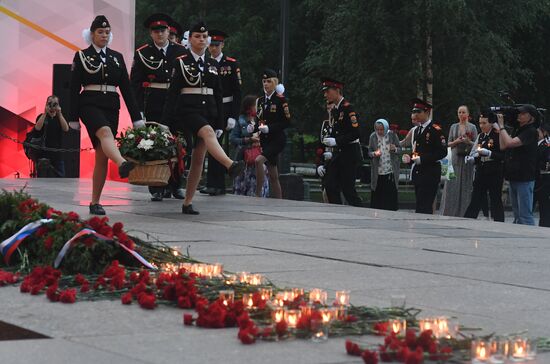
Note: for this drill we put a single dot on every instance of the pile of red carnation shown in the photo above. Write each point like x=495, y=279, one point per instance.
x=8, y=278
x=411, y=349
x=47, y=278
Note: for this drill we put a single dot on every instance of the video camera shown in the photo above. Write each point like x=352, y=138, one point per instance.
x=511, y=111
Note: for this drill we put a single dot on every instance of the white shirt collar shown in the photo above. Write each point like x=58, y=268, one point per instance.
x=97, y=49
x=268, y=97
x=196, y=56
x=219, y=58
x=338, y=104
x=426, y=124
x=165, y=47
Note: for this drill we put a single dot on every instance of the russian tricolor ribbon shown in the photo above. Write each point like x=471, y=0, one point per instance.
x=8, y=246
x=88, y=231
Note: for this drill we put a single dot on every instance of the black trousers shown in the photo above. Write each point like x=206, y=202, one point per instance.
x=542, y=194
x=426, y=180
x=385, y=195
x=487, y=179
x=340, y=176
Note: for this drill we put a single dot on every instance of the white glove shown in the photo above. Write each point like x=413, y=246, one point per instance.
x=230, y=123
x=469, y=159
x=406, y=158
x=138, y=124
x=250, y=128
x=416, y=160
x=321, y=170
x=327, y=155
x=475, y=155
x=219, y=133
x=329, y=142
x=263, y=129
x=484, y=152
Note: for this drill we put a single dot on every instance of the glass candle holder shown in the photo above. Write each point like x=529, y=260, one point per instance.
x=398, y=300
x=342, y=298
x=255, y=279
x=398, y=327
x=287, y=296
x=522, y=349
x=278, y=314
x=499, y=348
x=243, y=277
x=279, y=299
x=306, y=310
x=441, y=329
x=328, y=314
x=319, y=331
x=291, y=317
x=227, y=296
x=217, y=269
x=426, y=324
x=297, y=292
x=248, y=302
x=265, y=293
x=480, y=352
x=318, y=295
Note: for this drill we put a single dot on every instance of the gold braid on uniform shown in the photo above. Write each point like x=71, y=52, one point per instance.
x=150, y=64
x=86, y=63
x=184, y=72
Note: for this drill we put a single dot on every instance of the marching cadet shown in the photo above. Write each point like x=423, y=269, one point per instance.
x=150, y=78
x=542, y=183
x=489, y=169
x=96, y=73
x=194, y=104
x=343, y=138
x=273, y=117
x=230, y=75
x=176, y=32
x=430, y=146
x=324, y=153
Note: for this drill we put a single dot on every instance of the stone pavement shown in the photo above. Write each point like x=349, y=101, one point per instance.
x=490, y=275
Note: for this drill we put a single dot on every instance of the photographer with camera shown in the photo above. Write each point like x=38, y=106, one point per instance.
x=520, y=167
x=50, y=126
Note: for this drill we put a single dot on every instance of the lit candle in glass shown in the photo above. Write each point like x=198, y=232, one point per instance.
x=319, y=331
x=318, y=295
x=442, y=328
x=398, y=327
x=292, y=317
x=519, y=349
x=288, y=296
x=255, y=279
x=265, y=293
x=297, y=292
x=279, y=299
x=480, y=351
x=217, y=269
x=248, y=302
x=306, y=310
x=328, y=314
x=243, y=277
x=342, y=298
x=227, y=296
x=425, y=324
x=278, y=314
x=499, y=350
x=231, y=279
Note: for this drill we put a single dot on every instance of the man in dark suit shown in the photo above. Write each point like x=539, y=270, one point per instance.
x=230, y=75
x=150, y=77
x=430, y=147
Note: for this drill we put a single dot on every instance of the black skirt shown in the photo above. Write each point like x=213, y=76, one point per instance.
x=191, y=123
x=272, y=149
x=94, y=118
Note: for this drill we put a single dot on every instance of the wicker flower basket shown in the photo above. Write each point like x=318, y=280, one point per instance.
x=152, y=173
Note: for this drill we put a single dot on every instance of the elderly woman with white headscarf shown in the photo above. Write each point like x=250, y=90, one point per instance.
x=384, y=150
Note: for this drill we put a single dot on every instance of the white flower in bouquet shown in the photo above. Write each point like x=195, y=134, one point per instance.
x=145, y=144
x=153, y=132
x=130, y=136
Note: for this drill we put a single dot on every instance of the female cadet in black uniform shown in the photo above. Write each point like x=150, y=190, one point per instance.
x=194, y=103
x=489, y=168
x=98, y=70
x=273, y=118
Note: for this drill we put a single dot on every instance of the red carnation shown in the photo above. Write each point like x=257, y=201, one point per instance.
x=370, y=357
x=381, y=328
x=248, y=336
x=48, y=242
x=126, y=298
x=352, y=348
x=117, y=228
x=52, y=293
x=147, y=300
x=41, y=232
x=68, y=296
x=281, y=328
x=72, y=216
x=85, y=287
x=184, y=302
x=188, y=319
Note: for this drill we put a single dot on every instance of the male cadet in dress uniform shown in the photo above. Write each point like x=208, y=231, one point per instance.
x=176, y=32
x=230, y=75
x=343, y=139
x=150, y=78
x=430, y=146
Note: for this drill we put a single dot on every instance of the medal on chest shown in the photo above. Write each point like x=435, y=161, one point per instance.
x=273, y=108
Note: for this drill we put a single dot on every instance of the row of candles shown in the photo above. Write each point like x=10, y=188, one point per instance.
x=500, y=350
x=317, y=296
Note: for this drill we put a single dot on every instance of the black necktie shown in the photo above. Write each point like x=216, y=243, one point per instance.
x=200, y=62
x=163, y=52
x=102, y=56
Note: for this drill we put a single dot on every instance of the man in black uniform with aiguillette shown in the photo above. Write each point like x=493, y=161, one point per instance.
x=230, y=75
x=150, y=78
x=343, y=139
x=430, y=147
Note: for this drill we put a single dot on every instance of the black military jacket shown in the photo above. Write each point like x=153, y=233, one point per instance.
x=346, y=126
x=230, y=74
x=431, y=145
x=152, y=66
x=88, y=69
x=491, y=142
x=274, y=113
x=187, y=74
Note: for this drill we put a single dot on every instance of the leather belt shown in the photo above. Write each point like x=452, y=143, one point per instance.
x=197, y=91
x=102, y=88
x=161, y=85
x=227, y=99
